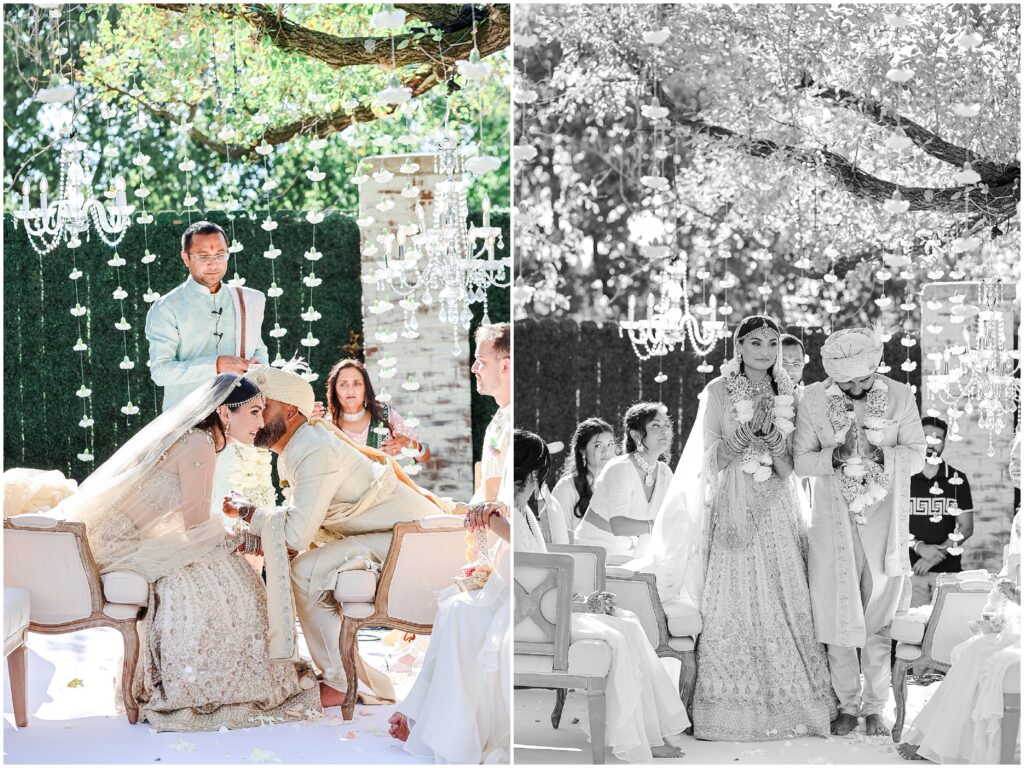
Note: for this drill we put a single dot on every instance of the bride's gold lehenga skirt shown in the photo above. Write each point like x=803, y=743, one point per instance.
x=205, y=661
x=761, y=672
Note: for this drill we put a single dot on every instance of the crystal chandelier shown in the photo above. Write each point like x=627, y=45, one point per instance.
x=68, y=216
x=460, y=259
x=670, y=321
x=982, y=373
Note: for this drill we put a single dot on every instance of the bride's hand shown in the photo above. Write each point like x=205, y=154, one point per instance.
x=237, y=505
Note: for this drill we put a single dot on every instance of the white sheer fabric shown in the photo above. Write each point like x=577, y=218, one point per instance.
x=642, y=704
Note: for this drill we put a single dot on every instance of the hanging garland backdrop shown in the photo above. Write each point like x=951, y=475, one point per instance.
x=41, y=411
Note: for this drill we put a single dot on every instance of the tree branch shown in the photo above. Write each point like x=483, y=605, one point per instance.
x=927, y=141
x=493, y=35
x=322, y=125
x=994, y=202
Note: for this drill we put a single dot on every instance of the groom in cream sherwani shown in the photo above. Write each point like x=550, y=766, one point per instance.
x=857, y=561
x=345, y=498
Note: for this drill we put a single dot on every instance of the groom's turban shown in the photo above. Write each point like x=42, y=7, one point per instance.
x=851, y=354
x=285, y=386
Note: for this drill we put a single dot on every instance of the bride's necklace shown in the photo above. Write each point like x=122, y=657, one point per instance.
x=357, y=416
x=646, y=468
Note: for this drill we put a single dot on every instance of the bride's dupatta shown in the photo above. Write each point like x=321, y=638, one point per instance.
x=147, y=508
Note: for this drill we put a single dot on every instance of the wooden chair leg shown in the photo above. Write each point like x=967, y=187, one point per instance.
x=596, y=712
x=349, y=629
x=556, y=713
x=1008, y=730
x=899, y=693
x=130, y=635
x=17, y=673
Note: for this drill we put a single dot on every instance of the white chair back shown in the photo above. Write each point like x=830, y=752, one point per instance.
x=556, y=518
x=956, y=606
x=427, y=562
x=54, y=566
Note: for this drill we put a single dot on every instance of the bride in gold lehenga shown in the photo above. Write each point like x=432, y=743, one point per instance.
x=205, y=661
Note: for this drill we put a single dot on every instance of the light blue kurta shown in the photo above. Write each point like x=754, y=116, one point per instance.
x=182, y=329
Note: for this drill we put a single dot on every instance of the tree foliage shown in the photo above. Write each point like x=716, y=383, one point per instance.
x=813, y=155
x=210, y=83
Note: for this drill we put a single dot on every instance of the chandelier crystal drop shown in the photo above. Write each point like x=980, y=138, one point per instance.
x=67, y=217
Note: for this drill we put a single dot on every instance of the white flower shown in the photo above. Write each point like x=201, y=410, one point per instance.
x=120, y=294
x=123, y=324
x=383, y=176
x=315, y=217
x=969, y=40
x=654, y=110
x=235, y=247
x=960, y=109
x=524, y=153
x=83, y=391
x=408, y=167
x=271, y=253
x=80, y=346
x=385, y=205
x=524, y=96
x=483, y=164
x=268, y=225
x=86, y=423
x=150, y=296
x=316, y=174
x=85, y=456
x=310, y=340
x=392, y=19
x=410, y=192
x=967, y=176
x=126, y=364
x=142, y=192
x=147, y=257
x=78, y=310
x=130, y=409
x=318, y=143
x=898, y=143
x=964, y=244
x=785, y=426
x=874, y=436
x=366, y=221
x=474, y=70
x=524, y=40
x=762, y=473
x=312, y=255
x=900, y=75
x=187, y=166
x=270, y=185
x=654, y=182
x=854, y=467
x=75, y=273
x=60, y=94
x=274, y=291
x=744, y=411
x=730, y=367
x=189, y=201
x=278, y=332
x=311, y=315
x=311, y=280
x=146, y=218
x=657, y=37
x=236, y=280
x=141, y=160
x=361, y=178
x=896, y=205
x=395, y=94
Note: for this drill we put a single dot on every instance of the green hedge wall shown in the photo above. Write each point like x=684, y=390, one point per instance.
x=42, y=372
x=566, y=372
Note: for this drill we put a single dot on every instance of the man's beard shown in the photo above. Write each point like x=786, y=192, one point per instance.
x=861, y=396
x=270, y=433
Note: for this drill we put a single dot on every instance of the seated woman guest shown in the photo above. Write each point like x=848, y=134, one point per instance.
x=591, y=448
x=355, y=410
x=458, y=709
x=643, y=707
x=631, y=488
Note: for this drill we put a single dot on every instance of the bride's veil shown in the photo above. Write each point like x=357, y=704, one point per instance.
x=134, y=523
x=675, y=552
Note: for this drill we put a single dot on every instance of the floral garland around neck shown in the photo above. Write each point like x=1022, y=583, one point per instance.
x=861, y=481
x=743, y=393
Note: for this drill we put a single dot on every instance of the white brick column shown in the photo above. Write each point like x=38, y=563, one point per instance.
x=991, y=488
x=442, y=403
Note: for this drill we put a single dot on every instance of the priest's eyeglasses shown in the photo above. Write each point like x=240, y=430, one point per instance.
x=213, y=258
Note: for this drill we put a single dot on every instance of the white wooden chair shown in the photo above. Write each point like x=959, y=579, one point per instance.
x=16, y=612
x=50, y=559
x=545, y=655
x=927, y=635
x=423, y=558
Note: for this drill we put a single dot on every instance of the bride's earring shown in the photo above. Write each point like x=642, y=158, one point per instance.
x=227, y=428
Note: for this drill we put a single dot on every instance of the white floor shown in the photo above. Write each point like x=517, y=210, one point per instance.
x=72, y=717
x=536, y=742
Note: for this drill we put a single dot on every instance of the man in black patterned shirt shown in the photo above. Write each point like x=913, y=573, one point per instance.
x=941, y=511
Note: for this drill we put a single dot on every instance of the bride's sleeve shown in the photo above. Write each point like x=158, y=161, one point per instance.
x=197, y=463
x=714, y=426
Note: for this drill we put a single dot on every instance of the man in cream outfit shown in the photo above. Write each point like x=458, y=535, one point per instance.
x=493, y=371
x=196, y=331
x=342, y=499
x=857, y=562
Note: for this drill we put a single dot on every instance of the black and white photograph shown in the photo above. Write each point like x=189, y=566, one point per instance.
x=766, y=454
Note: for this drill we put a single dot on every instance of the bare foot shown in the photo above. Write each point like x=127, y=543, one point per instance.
x=908, y=751
x=667, y=751
x=399, y=726
x=843, y=724
x=874, y=725
x=329, y=697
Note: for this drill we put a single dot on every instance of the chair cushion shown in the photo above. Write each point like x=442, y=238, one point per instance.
x=908, y=651
x=587, y=658
x=909, y=627
x=1011, y=681
x=683, y=644
x=120, y=611
x=355, y=587
x=15, y=617
x=683, y=619
x=357, y=610
x=125, y=587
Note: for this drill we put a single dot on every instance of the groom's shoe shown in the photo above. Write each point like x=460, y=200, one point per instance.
x=843, y=724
